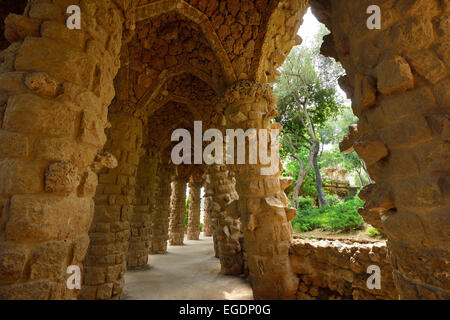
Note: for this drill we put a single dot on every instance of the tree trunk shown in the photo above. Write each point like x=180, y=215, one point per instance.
x=320, y=193
x=360, y=178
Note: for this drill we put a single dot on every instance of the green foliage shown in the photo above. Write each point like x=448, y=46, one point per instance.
x=332, y=199
x=373, y=232
x=305, y=203
x=341, y=217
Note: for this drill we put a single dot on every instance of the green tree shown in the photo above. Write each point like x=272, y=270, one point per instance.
x=307, y=98
x=332, y=132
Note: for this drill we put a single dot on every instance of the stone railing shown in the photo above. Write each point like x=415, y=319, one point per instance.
x=338, y=269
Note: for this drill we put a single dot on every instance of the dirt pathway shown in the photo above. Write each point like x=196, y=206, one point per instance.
x=186, y=272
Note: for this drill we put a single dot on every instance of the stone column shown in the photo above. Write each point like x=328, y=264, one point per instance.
x=227, y=227
x=195, y=185
x=177, y=210
x=398, y=79
x=262, y=202
x=55, y=88
x=209, y=193
x=160, y=226
x=207, y=232
x=115, y=199
x=141, y=222
x=193, y=231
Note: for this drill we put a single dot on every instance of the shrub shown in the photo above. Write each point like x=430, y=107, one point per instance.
x=305, y=203
x=332, y=199
x=373, y=232
x=341, y=217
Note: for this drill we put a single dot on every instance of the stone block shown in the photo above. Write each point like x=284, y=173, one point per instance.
x=62, y=62
x=394, y=75
x=21, y=176
x=48, y=217
x=29, y=113
x=428, y=65
x=13, y=145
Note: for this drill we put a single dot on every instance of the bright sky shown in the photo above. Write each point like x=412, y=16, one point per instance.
x=307, y=32
x=309, y=28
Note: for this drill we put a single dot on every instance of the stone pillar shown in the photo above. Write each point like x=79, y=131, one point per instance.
x=227, y=231
x=55, y=88
x=207, y=232
x=195, y=185
x=193, y=231
x=160, y=226
x=177, y=210
x=209, y=193
x=141, y=222
x=262, y=202
x=115, y=199
x=398, y=79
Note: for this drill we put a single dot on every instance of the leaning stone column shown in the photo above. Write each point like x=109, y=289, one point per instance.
x=160, y=226
x=177, y=210
x=55, y=88
x=195, y=185
x=227, y=227
x=262, y=202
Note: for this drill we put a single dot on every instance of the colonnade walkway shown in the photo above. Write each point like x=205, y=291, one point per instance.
x=188, y=272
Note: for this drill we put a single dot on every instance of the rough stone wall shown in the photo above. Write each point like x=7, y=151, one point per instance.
x=177, y=211
x=340, y=188
x=227, y=230
x=334, y=270
x=398, y=80
x=115, y=198
x=160, y=226
x=55, y=86
x=142, y=220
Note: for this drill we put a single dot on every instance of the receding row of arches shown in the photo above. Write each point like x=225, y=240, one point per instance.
x=72, y=193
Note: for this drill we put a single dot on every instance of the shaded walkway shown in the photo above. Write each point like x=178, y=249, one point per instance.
x=189, y=272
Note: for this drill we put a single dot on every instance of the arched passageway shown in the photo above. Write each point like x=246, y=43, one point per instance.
x=86, y=115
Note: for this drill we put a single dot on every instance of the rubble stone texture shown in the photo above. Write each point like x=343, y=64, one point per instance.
x=142, y=220
x=167, y=63
x=262, y=202
x=207, y=232
x=228, y=227
x=335, y=270
x=177, y=211
x=195, y=185
x=401, y=131
x=160, y=226
x=115, y=203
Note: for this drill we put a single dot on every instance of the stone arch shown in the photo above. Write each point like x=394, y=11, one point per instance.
x=55, y=89
x=278, y=43
x=167, y=74
x=183, y=8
